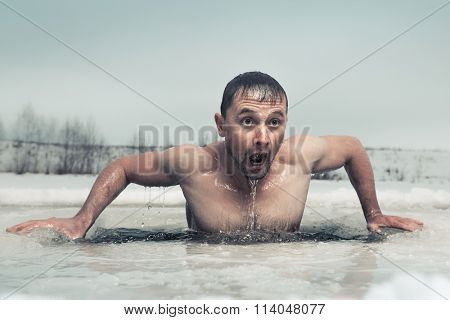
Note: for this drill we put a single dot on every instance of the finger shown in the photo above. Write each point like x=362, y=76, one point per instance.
x=414, y=225
x=25, y=227
x=417, y=222
x=18, y=227
x=404, y=223
x=408, y=220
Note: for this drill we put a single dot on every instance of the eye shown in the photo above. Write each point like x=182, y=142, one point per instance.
x=274, y=122
x=247, y=122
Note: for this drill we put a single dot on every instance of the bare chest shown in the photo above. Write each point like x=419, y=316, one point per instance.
x=273, y=203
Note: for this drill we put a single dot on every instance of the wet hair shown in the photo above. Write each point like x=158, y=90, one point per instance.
x=257, y=85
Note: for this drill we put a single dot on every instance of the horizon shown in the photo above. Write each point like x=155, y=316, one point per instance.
x=367, y=147
x=170, y=62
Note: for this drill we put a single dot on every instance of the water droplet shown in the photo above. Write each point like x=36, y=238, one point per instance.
x=149, y=198
x=252, y=214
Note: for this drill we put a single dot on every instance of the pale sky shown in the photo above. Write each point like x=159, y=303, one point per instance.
x=181, y=55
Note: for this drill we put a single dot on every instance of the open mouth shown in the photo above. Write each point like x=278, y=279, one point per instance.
x=257, y=159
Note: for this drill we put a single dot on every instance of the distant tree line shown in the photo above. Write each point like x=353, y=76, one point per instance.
x=39, y=144
x=81, y=142
x=2, y=131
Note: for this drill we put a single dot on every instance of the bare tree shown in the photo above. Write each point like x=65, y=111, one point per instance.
x=134, y=141
x=83, y=146
x=28, y=126
x=27, y=131
x=69, y=138
x=2, y=130
x=40, y=145
x=49, y=137
x=92, y=147
x=49, y=130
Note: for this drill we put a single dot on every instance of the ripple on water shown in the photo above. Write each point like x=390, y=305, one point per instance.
x=124, y=235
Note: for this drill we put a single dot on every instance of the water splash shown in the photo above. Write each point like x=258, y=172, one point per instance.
x=148, y=204
x=124, y=235
x=252, y=214
x=149, y=201
x=224, y=185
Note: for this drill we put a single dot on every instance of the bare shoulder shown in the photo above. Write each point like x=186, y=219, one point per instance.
x=311, y=147
x=214, y=148
x=171, y=164
x=309, y=150
x=304, y=147
x=324, y=153
x=185, y=150
x=210, y=156
x=193, y=159
x=189, y=159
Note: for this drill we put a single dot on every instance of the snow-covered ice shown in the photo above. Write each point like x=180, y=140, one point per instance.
x=403, y=266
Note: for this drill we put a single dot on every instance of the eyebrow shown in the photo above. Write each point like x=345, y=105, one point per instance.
x=246, y=110
x=278, y=113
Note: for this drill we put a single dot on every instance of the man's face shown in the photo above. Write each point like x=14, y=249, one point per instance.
x=253, y=133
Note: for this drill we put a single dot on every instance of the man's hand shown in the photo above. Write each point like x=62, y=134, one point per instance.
x=333, y=152
x=71, y=227
x=148, y=169
x=380, y=220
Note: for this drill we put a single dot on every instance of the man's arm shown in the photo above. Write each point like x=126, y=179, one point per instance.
x=333, y=152
x=149, y=169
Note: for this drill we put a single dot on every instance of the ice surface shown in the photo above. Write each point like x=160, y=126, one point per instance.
x=43, y=190
x=401, y=266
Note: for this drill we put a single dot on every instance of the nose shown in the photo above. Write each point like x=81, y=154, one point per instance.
x=261, y=138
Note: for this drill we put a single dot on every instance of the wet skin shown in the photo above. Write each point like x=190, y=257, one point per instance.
x=217, y=180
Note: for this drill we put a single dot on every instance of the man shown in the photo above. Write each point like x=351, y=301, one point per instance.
x=255, y=179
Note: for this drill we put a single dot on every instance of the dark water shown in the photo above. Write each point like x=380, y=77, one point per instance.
x=124, y=235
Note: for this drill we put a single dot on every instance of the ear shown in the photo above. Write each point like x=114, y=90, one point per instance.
x=220, y=123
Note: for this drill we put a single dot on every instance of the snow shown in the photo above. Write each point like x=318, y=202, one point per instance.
x=70, y=190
